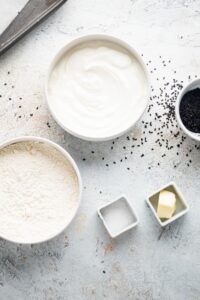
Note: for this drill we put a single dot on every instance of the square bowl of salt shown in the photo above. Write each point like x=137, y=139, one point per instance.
x=167, y=204
x=118, y=216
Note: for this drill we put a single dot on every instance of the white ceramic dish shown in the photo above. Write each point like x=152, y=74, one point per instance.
x=181, y=205
x=67, y=156
x=79, y=41
x=190, y=86
x=118, y=216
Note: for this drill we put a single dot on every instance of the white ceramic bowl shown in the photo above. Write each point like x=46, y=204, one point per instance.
x=123, y=205
x=190, y=86
x=67, y=156
x=181, y=205
x=80, y=40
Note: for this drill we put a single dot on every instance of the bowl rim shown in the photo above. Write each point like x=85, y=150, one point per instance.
x=69, y=158
x=86, y=38
x=188, y=87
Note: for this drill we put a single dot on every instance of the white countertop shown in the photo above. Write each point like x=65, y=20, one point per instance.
x=83, y=262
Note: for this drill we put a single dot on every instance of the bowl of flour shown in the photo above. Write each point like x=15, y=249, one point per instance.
x=40, y=190
x=97, y=87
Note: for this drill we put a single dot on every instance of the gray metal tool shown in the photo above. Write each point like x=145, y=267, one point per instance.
x=32, y=13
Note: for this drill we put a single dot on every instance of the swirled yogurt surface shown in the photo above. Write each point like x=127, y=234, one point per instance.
x=97, y=89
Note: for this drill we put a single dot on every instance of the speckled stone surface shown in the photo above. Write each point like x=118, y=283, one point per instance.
x=83, y=263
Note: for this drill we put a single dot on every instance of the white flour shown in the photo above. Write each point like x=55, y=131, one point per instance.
x=38, y=192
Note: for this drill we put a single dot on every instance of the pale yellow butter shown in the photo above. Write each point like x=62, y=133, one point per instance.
x=166, y=204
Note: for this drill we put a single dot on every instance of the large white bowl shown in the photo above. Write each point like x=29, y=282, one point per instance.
x=68, y=157
x=190, y=86
x=87, y=38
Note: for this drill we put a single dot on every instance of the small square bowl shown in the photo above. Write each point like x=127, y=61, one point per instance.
x=181, y=205
x=118, y=216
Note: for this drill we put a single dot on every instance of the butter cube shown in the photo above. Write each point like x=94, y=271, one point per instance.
x=166, y=204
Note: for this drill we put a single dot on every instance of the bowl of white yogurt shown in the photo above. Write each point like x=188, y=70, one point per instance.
x=97, y=87
x=40, y=190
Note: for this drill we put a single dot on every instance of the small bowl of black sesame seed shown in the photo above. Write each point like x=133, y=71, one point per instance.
x=188, y=109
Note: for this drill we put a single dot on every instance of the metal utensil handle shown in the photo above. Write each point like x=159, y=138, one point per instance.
x=32, y=13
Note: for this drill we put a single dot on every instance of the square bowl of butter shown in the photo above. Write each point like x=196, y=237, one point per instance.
x=168, y=204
